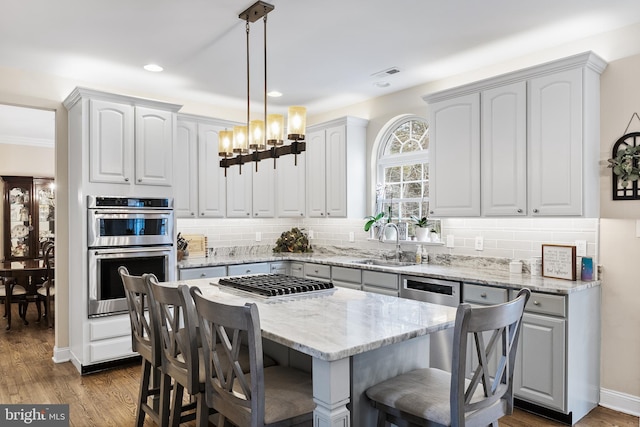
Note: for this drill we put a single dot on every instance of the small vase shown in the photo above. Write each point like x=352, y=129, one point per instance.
x=422, y=234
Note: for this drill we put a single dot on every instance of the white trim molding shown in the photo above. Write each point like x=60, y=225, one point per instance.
x=61, y=355
x=620, y=402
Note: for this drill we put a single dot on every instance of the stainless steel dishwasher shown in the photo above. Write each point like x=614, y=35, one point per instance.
x=436, y=291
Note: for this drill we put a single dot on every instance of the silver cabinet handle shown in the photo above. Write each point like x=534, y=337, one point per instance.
x=248, y=214
x=536, y=303
x=248, y=271
x=519, y=210
x=203, y=275
x=431, y=212
x=126, y=180
x=201, y=213
x=193, y=213
x=535, y=211
x=139, y=179
x=483, y=295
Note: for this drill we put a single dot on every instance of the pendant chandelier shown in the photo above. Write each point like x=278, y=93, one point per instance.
x=250, y=142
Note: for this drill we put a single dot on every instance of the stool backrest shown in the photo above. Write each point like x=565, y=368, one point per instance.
x=501, y=324
x=144, y=337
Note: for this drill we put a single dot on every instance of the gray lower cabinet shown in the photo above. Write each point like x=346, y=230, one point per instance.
x=252, y=268
x=558, y=359
x=202, y=272
x=381, y=283
x=296, y=269
x=319, y=272
x=347, y=277
x=280, y=267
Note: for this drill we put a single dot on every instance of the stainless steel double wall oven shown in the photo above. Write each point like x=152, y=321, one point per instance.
x=134, y=232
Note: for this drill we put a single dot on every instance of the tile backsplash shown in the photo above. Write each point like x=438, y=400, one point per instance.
x=508, y=238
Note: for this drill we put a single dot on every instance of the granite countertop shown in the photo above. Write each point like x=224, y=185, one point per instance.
x=472, y=274
x=336, y=323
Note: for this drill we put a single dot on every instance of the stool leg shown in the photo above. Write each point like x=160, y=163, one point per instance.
x=144, y=392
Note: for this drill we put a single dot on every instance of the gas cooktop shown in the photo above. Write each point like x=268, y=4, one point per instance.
x=271, y=285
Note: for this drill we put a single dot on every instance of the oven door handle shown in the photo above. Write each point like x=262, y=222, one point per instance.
x=101, y=213
x=98, y=252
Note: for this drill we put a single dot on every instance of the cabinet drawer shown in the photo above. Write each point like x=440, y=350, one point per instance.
x=114, y=326
x=553, y=305
x=318, y=271
x=279, y=267
x=377, y=290
x=297, y=269
x=380, y=280
x=477, y=294
x=116, y=348
x=202, y=272
x=350, y=275
x=254, y=268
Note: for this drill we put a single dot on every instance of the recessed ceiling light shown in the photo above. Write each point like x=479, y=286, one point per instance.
x=155, y=68
x=382, y=84
x=274, y=94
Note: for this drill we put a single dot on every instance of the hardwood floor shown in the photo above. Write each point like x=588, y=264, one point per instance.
x=108, y=398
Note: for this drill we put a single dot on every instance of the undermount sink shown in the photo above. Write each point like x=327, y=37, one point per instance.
x=382, y=262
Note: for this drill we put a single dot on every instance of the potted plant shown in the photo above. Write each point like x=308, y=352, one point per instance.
x=422, y=231
x=372, y=224
x=625, y=165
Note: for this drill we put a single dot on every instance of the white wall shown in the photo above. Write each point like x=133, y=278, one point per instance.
x=24, y=160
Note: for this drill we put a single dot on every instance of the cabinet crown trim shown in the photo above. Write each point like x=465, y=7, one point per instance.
x=587, y=59
x=81, y=92
x=348, y=120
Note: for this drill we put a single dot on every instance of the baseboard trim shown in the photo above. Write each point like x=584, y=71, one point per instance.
x=620, y=402
x=61, y=355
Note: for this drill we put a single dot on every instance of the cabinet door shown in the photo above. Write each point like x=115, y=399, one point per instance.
x=290, y=182
x=540, y=374
x=454, y=185
x=336, y=172
x=239, y=195
x=211, y=180
x=264, y=181
x=504, y=150
x=555, y=144
x=252, y=268
x=316, y=174
x=154, y=146
x=185, y=162
x=111, y=136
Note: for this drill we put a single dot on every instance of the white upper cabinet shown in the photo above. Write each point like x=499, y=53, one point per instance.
x=239, y=191
x=154, y=146
x=555, y=144
x=526, y=143
x=199, y=180
x=335, y=169
x=264, y=182
x=130, y=140
x=290, y=185
x=185, y=164
x=111, y=136
x=454, y=164
x=503, y=145
x=211, y=180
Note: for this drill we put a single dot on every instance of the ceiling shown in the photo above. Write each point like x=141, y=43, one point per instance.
x=322, y=54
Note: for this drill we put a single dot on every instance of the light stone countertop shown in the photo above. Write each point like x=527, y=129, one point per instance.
x=475, y=273
x=336, y=323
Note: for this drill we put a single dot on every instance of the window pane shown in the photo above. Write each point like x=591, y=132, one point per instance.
x=393, y=191
x=392, y=175
x=403, y=132
x=411, y=146
x=425, y=189
x=412, y=190
x=394, y=146
x=410, y=209
x=412, y=172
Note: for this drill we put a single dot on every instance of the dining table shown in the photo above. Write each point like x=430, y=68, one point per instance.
x=353, y=338
x=26, y=273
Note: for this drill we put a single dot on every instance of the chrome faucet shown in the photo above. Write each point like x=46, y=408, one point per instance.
x=383, y=237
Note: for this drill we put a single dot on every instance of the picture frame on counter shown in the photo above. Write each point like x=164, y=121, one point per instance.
x=559, y=261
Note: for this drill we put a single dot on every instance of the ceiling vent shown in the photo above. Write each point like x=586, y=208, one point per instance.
x=386, y=73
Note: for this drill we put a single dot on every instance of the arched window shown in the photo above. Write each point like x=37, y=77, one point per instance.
x=402, y=189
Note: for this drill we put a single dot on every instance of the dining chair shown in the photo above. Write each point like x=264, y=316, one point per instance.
x=431, y=396
x=273, y=396
x=47, y=291
x=18, y=294
x=145, y=340
x=181, y=359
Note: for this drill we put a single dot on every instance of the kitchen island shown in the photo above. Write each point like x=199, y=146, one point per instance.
x=355, y=339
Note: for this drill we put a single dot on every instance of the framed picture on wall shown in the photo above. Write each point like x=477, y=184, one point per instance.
x=559, y=261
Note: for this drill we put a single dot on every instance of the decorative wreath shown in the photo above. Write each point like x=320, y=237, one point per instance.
x=625, y=165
